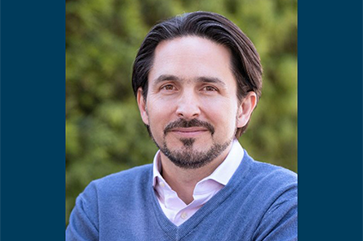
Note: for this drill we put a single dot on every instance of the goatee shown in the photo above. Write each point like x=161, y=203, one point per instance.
x=187, y=157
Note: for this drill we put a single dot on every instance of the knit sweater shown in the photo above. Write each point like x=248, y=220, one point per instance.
x=258, y=203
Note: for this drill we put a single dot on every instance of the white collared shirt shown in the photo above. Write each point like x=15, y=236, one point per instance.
x=174, y=208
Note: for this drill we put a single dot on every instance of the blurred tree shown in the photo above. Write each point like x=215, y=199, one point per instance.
x=104, y=133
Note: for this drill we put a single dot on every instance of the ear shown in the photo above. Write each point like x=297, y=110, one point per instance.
x=142, y=106
x=246, y=108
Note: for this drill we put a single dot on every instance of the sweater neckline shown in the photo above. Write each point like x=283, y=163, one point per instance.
x=178, y=232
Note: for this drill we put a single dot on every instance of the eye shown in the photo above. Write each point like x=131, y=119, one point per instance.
x=168, y=87
x=209, y=88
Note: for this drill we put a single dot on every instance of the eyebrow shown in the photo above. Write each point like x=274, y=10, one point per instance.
x=165, y=77
x=207, y=79
x=201, y=79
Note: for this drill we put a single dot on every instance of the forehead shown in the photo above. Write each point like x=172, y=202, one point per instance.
x=192, y=57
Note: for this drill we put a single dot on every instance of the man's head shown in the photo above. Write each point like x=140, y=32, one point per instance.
x=197, y=79
x=245, y=61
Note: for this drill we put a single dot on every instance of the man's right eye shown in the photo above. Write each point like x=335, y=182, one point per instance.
x=168, y=87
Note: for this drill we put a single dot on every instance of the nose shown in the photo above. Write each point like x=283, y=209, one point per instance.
x=188, y=106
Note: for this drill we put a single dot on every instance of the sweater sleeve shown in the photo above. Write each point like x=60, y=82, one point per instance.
x=280, y=221
x=83, y=220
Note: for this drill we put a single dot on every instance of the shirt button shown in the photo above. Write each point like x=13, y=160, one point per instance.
x=162, y=184
x=184, y=215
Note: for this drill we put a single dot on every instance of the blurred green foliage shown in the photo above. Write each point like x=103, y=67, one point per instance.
x=104, y=132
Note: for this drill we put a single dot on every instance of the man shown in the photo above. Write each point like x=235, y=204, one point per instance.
x=197, y=79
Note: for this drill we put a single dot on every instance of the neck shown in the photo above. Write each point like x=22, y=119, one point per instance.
x=183, y=181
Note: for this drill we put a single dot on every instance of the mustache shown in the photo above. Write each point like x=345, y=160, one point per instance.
x=192, y=123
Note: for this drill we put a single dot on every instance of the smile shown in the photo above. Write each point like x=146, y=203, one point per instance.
x=189, y=131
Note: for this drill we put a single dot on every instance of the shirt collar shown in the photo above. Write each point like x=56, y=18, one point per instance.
x=156, y=168
x=222, y=174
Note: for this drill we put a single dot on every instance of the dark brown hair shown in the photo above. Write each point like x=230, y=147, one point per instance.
x=245, y=60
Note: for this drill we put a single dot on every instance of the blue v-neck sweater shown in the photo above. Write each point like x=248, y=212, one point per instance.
x=258, y=203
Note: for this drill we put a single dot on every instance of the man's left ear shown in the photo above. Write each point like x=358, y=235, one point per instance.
x=246, y=108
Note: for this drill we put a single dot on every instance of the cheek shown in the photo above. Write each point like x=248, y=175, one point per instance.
x=221, y=111
x=222, y=117
x=158, y=114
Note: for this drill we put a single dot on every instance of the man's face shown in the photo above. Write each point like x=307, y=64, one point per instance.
x=192, y=108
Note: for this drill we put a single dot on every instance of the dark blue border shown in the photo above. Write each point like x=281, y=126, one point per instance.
x=330, y=120
x=32, y=120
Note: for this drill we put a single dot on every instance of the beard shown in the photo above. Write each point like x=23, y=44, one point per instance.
x=187, y=157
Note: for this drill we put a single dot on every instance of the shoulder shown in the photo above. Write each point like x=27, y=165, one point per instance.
x=272, y=173
x=105, y=196
x=123, y=181
x=139, y=173
x=265, y=172
x=276, y=190
x=268, y=183
x=275, y=179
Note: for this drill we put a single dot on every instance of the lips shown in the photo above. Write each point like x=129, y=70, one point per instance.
x=189, y=132
x=189, y=129
x=192, y=127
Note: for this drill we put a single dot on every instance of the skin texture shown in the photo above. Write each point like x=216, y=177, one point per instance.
x=192, y=109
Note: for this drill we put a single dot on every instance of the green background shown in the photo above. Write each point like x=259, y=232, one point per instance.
x=104, y=132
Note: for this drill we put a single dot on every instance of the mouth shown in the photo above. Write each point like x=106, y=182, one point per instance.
x=190, y=128
x=189, y=132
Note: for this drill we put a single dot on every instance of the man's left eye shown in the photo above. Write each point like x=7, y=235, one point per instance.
x=209, y=88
